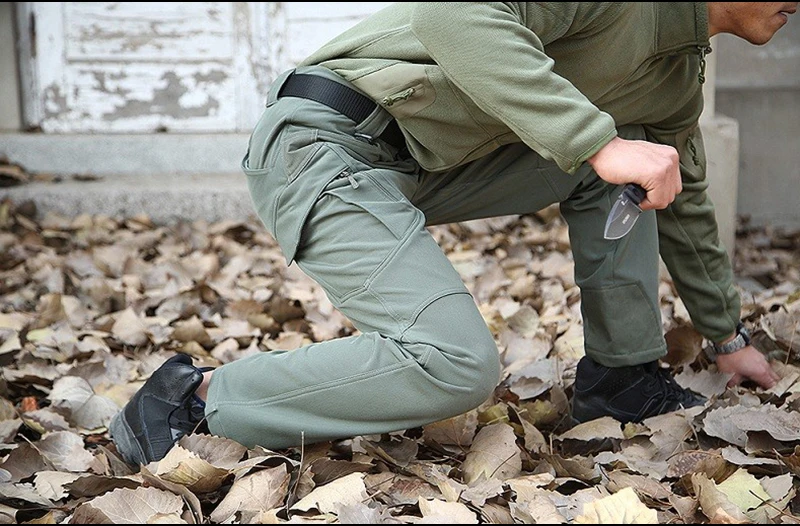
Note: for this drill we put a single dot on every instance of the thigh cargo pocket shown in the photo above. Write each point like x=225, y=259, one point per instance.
x=283, y=190
x=357, y=225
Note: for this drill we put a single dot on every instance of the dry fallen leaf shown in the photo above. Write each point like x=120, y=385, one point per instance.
x=127, y=506
x=623, y=507
x=255, y=493
x=494, y=454
x=341, y=492
x=85, y=409
x=90, y=306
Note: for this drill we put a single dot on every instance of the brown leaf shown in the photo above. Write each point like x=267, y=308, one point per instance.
x=494, y=454
x=258, y=492
x=714, y=504
x=128, y=506
x=65, y=451
x=326, y=469
x=684, y=343
x=342, y=492
x=781, y=425
x=184, y=467
x=84, y=408
x=52, y=484
x=599, y=429
x=400, y=490
x=457, y=431
x=645, y=487
x=440, y=512
x=623, y=507
x=25, y=461
x=130, y=329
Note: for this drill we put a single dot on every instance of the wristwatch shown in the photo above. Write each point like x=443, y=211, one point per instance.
x=741, y=341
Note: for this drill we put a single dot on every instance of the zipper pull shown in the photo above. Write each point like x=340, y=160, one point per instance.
x=693, y=149
x=704, y=50
x=352, y=180
x=397, y=97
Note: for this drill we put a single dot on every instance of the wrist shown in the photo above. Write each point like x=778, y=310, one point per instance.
x=738, y=341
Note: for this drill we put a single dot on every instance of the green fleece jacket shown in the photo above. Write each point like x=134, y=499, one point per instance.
x=464, y=78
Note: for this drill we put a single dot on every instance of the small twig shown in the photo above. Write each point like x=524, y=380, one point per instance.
x=501, y=465
x=299, y=470
x=773, y=506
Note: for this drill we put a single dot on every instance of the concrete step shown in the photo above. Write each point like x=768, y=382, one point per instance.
x=165, y=199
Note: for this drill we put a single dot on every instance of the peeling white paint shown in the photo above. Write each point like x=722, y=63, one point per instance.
x=133, y=67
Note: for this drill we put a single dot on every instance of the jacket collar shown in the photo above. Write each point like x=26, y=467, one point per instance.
x=681, y=26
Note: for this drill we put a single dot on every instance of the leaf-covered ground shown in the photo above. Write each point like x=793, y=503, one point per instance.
x=90, y=306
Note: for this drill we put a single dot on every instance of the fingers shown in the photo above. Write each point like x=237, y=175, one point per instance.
x=735, y=380
x=765, y=378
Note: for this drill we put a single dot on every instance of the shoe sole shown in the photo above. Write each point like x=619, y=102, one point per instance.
x=125, y=440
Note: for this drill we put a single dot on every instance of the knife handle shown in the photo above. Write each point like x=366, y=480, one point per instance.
x=634, y=192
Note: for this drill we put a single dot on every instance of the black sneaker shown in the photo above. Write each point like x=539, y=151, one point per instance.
x=628, y=394
x=160, y=413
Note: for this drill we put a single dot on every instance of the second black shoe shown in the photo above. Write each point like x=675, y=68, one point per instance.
x=160, y=413
x=628, y=394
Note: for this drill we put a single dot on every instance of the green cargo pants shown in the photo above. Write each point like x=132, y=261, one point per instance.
x=352, y=214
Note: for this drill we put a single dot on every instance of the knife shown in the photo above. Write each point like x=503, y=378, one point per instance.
x=625, y=211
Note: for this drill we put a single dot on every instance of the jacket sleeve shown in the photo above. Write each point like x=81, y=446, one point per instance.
x=690, y=246
x=495, y=53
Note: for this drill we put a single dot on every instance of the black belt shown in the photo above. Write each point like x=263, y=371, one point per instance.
x=346, y=101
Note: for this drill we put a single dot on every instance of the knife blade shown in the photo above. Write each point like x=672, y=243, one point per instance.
x=625, y=211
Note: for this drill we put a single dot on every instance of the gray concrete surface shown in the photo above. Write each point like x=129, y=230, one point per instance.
x=721, y=137
x=165, y=176
x=769, y=164
x=759, y=86
x=10, y=118
x=130, y=154
x=207, y=197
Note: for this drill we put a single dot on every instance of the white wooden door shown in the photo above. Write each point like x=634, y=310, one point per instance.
x=142, y=67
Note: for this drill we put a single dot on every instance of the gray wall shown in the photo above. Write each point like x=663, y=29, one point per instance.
x=9, y=85
x=759, y=86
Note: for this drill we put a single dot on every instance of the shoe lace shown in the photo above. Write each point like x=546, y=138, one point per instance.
x=661, y=381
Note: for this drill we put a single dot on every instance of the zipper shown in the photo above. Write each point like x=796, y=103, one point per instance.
x=397, y=97
x=345, y=174
x=693, y=149
x=704, y=50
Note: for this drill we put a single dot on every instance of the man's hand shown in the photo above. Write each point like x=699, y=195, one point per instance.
x=747, y=364
x=655, y=167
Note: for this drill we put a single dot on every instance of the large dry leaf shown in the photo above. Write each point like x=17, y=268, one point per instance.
x=220, y=452
x=537, y=508
x=397, y=490
x=781, y=425
x=130, y=329
x=645, y=487
x=51, y=484
x=719, y=423
x=713, y=502
x=744, y=490
x=258, y=492
x=494, y=454
x=623, y=507
x=129, y=506
x=441, y=512
x=86, y=410
x=24, y=492
x=25, y=461
x=342, y=492
x=65, y=451
x=599, y=429
x=457, y=431
x=184, y=467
